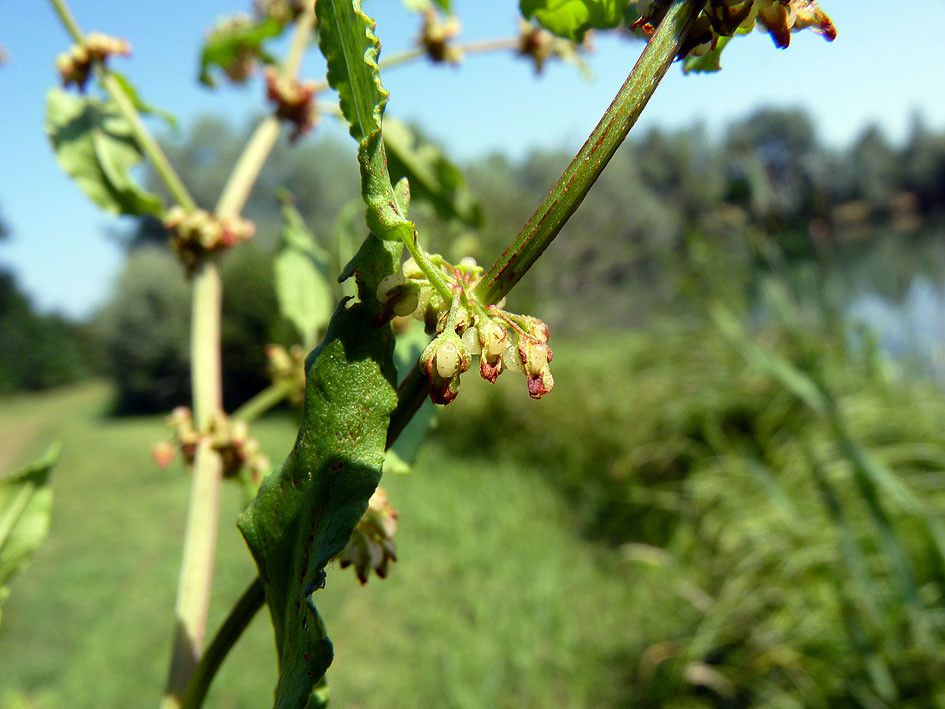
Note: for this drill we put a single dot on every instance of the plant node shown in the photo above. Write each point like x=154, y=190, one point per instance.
x=725, y=18
x=75, y=66
x=197, y=233
x=436, y=36
x=466, y=328
x=230, y=439
x=294, y=101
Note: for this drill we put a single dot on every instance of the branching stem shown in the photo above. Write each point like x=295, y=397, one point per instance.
x=143, y=137
x=573, y=185
x=193, y=597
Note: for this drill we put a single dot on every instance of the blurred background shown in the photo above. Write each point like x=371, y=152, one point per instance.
x=734, y=496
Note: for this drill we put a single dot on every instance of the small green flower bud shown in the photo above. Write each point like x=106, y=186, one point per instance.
x=493, y=338
x=471, y=340
x=511, y=359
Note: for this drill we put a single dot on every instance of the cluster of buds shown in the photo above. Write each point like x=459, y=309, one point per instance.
x=436, y=36
x=242, y=63
x=75, y=65
x=372, y=543
x=198, y=232
x=725, y=18
x=540, y=46
x=282, y=11
x=287, y=368
x=465, y=328
x=294, y=101
x=230, y=439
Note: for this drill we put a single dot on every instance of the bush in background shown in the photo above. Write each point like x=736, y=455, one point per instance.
x=145, y=329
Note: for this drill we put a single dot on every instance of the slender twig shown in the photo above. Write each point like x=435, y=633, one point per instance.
x=263, y=401
x=193, y=597
x=410, y=55
x=573, y=185
x=236, y=622
x=257, y=149
x=142, y=135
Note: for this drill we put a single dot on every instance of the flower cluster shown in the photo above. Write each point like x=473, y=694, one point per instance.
x=372, y=543
x=294, y=101
x=436, y=36
x=230, y=439
x=287, y=367
x=198, y=232
x=724, y=18
x=282, y=11
x=75, y=65
x=540, y=46
x=465, y=328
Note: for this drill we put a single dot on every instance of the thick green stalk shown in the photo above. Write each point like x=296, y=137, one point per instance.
x=193, y=598
x=573, y=185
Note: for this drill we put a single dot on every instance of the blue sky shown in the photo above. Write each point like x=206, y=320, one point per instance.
x=883, y=68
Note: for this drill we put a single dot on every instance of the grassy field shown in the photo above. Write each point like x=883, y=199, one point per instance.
x=496, y=601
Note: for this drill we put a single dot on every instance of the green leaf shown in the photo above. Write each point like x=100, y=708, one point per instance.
x=140, y=104
x=346, y=37
x=25, y=506
x=790, y=377
x=432, y=177
x=95, y=145
x=709, y=62
x=306, y=511
x=301, y=273
x=421, y=5
x=227, y=46
x=572, y=18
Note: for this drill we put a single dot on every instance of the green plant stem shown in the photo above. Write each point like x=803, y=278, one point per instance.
x=410, y=55
x=196, y=571
x=193, y=598
x=537, y=234
x=143, y=137
x=251, y=161
x=234, y=625
x=262, y=402
x=573, y=185
x=429, y=270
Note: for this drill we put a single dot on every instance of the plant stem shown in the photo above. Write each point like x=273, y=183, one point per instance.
x=540, y=230
x=196, y=571
x=410, y=55
x=259, y=146
x=193, y=597
x=571, y=188
x=142, y=135
x=234, y=625
x=193, y=591
x=262, y=402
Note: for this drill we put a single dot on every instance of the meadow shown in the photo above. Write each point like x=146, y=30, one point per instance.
x=496, y=599
x=691, y=520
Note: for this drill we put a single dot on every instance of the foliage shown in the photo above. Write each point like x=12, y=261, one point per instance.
x=550, y=599
x=810, y=570
x=144, y=333
x=95, y=146
x=144, y=329
x=39, y=351
x=25, y=507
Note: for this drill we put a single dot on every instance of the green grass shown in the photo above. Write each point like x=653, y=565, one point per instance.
x=496, y=601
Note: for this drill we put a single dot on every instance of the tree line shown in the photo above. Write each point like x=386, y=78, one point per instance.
x=677, y=213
